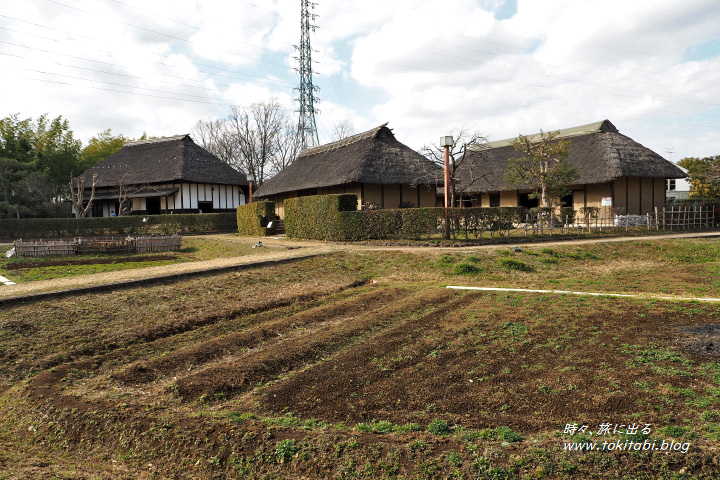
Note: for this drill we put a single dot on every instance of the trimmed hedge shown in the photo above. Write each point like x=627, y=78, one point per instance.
x=253, y=218
x=12, y=229
x=417, y=223
x=318, y=216
x=333, y=217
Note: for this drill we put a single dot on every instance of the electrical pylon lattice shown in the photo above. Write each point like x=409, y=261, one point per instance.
x=307, y=129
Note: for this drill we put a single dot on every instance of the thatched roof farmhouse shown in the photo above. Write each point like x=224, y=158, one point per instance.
x=374, y=165
x=610, y=165
x=165, y=175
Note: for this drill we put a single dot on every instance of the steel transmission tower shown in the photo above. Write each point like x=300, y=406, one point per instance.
x=307, y=129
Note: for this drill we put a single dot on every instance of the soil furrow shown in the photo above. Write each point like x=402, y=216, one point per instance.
x=285, y=354
x=183, y=359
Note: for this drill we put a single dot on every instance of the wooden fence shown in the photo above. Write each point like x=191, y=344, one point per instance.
x=42, y=248
x=157, y=244
x=667, y=218
x=84, y=246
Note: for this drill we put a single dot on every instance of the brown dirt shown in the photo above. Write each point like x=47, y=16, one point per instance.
x=396, y=375
x=282, y=354
x=701, y=341
x=194, y=357
x=70, y=330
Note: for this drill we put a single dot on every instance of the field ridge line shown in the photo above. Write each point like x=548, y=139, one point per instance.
x=592, y=294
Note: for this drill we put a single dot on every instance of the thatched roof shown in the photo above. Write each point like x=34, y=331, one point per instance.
x=598, y=151
x=163, y=160
x=373, y=157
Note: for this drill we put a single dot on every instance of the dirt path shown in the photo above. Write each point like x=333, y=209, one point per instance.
x=107, y=278
x=354, y=247
x=301, y=249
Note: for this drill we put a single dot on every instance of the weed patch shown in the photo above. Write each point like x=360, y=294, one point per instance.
x=514, y=264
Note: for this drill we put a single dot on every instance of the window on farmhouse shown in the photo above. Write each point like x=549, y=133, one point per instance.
x=671, y=184
x=494, y=199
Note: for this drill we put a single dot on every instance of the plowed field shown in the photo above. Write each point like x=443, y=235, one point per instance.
x=355, y=366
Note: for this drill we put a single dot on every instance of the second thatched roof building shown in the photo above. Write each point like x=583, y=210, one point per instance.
x=374, y=165
x=616, y=173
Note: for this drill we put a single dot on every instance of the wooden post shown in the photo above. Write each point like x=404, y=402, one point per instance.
x=656, y=219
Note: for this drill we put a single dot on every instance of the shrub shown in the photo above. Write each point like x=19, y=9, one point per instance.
x=253, y=219
x=567, y=213
x=439, y=427
x=318, y=216
x=514, y=264
x=590, y=214
x=27, y=228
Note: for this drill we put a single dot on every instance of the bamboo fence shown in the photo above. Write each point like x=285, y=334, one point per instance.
x=83, y=246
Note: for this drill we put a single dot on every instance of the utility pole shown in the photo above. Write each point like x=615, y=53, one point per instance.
x=307, y=129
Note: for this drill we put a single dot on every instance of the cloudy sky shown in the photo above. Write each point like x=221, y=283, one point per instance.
x=501, y=67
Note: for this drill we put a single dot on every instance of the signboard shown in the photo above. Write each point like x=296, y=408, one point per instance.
x=606, y=202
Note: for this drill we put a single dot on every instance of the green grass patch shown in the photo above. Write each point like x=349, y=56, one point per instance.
x=509, y=263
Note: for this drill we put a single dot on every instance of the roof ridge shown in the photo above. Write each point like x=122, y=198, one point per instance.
x=596, y=127
x=157, y=140
x=343, y=142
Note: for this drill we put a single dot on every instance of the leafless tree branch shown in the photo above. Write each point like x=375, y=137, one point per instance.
x=464, y=173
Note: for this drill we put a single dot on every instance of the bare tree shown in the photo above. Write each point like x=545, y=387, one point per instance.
x=213, y=136
x=125, y=196
x=466, y=144
x=287, y=147
x=256, y=139
x=343, y=129
x=77, y=194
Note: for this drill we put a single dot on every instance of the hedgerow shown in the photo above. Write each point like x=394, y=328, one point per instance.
x=333, y=217
x=12, y=229
x=253, y=219
x=318, y=216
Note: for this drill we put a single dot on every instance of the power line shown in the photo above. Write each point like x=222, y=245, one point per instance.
x=108, y=83
x=199, y=29
x=124, y=91
x=263, y=82
x=196, y=64
x=340, y=95
x=165, y=34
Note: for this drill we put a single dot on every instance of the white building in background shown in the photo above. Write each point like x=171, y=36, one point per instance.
x=164, y=175
x=677, y=188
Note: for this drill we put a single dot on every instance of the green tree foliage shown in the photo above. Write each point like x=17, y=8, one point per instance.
x=36, y=161
x=102, y=146
x=542, y=166
x=704, y=176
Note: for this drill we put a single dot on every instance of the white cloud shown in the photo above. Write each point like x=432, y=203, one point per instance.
x=426, y=66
